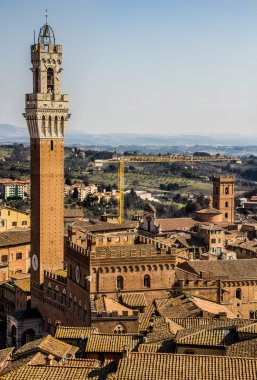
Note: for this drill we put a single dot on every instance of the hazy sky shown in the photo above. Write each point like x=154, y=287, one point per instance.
x=144, y=66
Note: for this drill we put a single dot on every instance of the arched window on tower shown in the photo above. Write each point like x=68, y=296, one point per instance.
x=50, y=80
x=56, y=126
x=120, y=282
x=227, y=190
x=43, y=127
x=62, y=125
x=147, y=281
x=50, y=125
x=226, y=204
x=36, y=81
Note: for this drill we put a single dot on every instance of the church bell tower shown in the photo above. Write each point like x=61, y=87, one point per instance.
x=47, y=116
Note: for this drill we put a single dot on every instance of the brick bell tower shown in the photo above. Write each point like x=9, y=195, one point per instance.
x=47, y=116
x=223, y=197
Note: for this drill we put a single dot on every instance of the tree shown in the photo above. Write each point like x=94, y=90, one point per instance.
x=135, y=182
x=68, y=181
x=201, y=154
x=75, y=194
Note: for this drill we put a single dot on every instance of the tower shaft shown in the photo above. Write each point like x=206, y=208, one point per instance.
x=46, y=115
x=223, y=197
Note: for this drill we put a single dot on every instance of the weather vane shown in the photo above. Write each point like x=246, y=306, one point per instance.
x=46, y=15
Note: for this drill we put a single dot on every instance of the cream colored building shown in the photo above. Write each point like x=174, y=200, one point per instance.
x=14, y=189
x=12, y=218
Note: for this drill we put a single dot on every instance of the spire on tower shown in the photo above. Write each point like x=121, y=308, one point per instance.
x=46, y=34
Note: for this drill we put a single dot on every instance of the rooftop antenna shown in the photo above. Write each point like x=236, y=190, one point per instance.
x=34, y=36
x=46, y=15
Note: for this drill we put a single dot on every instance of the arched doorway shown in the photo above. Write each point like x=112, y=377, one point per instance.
x=13, y=336
x=27, y=336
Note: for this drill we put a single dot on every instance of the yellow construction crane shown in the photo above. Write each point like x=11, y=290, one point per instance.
x=143, y=159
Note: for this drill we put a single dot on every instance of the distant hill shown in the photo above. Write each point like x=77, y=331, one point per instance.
x=117, y=139
x=11, y=133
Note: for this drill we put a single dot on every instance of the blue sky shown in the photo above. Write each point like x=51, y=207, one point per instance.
x=140, y=66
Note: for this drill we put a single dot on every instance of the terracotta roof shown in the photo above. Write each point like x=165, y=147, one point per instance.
x=247, y=348
x=14, y=364
x=114, y=251
x=60, y=272
x=186, y=306
x=160, y=331
x=66, y=332
x=156, y=366
x=209, y=210
x=248, y=328
x=212, y=307
x=23, y=284
x=14, y=209
x=50, y=373
x=111, y=342
x=152, y=347
x=188, y=240
x=144, y=318
x=48, y=345
x=93, y=363
x=73, y=213
x=40, y=358
x=5, y=354
x=99, y=226
x=177, y=307
x=134, y=299
x=173, y=326
x=196, y=324
x=106, y=304
x=224, y=269
x=249, y=245
x=175, y=224
x=210, y=227
x=14, y=237
x=208, y=337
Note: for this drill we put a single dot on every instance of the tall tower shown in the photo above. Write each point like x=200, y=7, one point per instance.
x=47, y=116
x=223, y=197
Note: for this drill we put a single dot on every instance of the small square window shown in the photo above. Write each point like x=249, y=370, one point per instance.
x=18, y=256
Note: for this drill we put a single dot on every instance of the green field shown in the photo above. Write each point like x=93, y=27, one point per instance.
x=5, y=151
x=150, y=182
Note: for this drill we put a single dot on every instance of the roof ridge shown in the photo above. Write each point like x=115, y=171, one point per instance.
x=138, y=353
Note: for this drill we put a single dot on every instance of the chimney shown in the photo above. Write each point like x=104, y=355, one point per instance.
x=49, y=360
x=125, y=351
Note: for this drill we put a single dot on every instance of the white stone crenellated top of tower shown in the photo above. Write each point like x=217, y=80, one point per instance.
x=46, y=108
